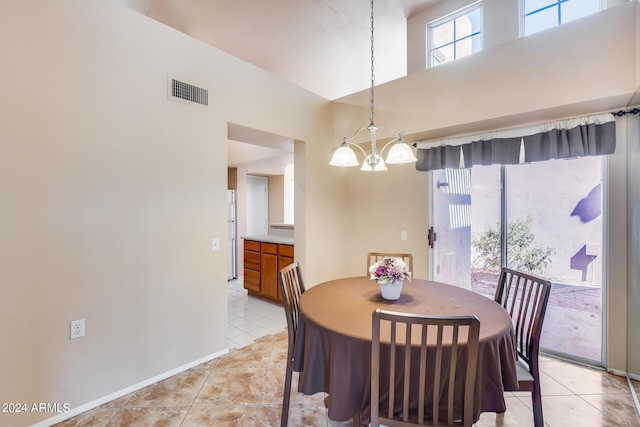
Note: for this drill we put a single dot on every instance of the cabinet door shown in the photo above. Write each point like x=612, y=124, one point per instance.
x=269, y=276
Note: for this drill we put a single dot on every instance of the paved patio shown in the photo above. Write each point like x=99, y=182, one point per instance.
x=573, y=323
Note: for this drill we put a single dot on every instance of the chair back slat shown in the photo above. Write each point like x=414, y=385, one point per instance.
x=438, y=368
x=407, y=374
x=392, y=371
x=452, y=373
x=423, y=374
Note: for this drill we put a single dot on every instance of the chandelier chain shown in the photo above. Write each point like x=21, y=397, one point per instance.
x=371, y=98
x=399, y=152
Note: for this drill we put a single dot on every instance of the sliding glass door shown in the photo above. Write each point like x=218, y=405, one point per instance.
x=544, y=218
x=451, y=230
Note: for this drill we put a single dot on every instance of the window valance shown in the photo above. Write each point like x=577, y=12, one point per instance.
x=578, y=137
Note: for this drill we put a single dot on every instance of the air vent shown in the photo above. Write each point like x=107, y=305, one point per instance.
x=180, y=90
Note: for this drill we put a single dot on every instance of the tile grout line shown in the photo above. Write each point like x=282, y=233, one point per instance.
x=198, y=393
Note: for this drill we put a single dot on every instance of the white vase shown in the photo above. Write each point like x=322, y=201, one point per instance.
x=392, y=289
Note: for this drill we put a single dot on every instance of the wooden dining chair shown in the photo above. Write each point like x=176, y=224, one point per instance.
x=373, y=257
x=456, y=346
x=291, y=287
x=525, y=297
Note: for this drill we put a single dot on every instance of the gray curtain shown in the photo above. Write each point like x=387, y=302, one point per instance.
x=504, y=151
x=581, y=141
x=587, y=140
x=446, y=156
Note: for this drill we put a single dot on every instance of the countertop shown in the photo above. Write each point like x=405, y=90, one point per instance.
x=271, y=238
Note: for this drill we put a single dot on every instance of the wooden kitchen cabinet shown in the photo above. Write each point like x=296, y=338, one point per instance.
x=269, y=272
x=252, y=266
x=262, y=261
x=285, y=256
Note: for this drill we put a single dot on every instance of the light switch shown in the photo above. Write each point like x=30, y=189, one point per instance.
x=403, y=235
x=215, y=244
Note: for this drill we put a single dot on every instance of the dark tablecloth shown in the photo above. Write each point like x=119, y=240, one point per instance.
x=333, y=342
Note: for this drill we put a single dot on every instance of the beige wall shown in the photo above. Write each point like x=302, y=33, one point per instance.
x=276, y=198
x=616, y=270
x=633, y=238
x=112, y=194
x=500, y=24
x=381, y=206
x=633, y=212
x=511, y=84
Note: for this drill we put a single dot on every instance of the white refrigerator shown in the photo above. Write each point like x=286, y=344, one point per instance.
x=231, y=243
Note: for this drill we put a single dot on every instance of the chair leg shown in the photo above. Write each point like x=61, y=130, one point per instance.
x=286, y=397
x=356, y=420
x=536, y=397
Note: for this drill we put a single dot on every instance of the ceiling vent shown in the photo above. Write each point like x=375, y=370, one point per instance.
x=182, y=91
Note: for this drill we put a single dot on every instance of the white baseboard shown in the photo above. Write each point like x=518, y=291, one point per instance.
x=101, y=401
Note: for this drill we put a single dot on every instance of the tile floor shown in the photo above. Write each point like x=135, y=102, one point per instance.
x=250, y=318
x=244, y=388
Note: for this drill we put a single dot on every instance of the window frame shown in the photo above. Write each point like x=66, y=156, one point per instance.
x=452, y=17
x=521, y=14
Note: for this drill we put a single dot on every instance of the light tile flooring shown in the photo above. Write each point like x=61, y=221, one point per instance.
x=244, y=387
x=250, y=318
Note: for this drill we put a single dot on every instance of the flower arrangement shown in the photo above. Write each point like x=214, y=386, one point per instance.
x=388, y=269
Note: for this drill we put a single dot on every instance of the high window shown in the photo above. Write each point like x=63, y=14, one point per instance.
x=540, y=15
x=456, y=35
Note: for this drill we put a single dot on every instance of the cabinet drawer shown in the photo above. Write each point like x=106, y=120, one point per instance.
x=269, y=248
x=283, y=262
x=285, y=250
x=252, y=280
x=252, y=260
x=251, y=245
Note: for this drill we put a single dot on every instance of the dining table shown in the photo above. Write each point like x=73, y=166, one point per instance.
x=333, y=341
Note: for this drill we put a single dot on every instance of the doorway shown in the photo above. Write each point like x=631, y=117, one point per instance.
x=257, y=205
x=543, y=218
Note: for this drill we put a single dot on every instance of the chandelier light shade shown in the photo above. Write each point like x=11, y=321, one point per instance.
x=399, y=151
x=344, y=156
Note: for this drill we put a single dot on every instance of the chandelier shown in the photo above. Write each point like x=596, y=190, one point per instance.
x=399, y=152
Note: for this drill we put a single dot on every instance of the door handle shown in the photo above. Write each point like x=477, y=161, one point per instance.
x=431, y=237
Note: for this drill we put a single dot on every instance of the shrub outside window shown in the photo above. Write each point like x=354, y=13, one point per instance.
x=456, y=35
x=539, y=15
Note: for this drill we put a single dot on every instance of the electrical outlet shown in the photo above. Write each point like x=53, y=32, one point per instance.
x=77, y=329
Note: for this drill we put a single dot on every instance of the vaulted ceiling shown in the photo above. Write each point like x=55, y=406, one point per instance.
x=323, y=46
x=320, y=45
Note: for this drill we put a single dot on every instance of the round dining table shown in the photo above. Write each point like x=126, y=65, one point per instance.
x=333, y=341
